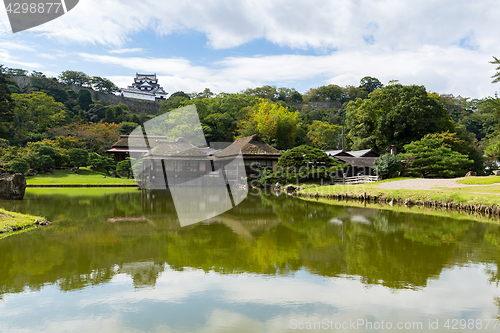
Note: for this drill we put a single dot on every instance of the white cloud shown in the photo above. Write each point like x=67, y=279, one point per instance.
x=295, y=23
x=122, y=51
x=445, y=70
x=444, y=45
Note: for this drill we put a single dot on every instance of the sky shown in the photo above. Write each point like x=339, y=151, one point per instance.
x=231, y=45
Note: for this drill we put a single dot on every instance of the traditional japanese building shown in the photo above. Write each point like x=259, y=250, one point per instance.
x=145, y=87
x=361, y=161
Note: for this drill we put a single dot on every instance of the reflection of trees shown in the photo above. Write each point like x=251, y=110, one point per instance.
x=263, y=235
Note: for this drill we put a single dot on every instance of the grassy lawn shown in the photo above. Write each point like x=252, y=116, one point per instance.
x=86, y=177
x=10, y=221
x=488, y=195
x=80, y=192
x=480, y=180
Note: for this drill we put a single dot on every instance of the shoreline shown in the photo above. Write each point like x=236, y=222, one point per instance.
x=12, y=223
x=78, y=185
x=454, y=197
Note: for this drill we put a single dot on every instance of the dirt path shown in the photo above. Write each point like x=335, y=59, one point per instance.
x=423, y=184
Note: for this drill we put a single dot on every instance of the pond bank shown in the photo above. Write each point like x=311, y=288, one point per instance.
x=79, y=185
x=435, y=194
x=14, y=223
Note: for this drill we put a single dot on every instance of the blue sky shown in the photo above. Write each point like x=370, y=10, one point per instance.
x=229, y=46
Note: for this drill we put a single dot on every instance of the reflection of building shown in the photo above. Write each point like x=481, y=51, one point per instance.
x=361, y=161
x=145, y=87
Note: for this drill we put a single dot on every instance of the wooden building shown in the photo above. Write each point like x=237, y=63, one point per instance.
x=361, y=161
x=256, y=153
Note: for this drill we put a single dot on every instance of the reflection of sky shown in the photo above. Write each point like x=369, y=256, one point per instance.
x=195, y=301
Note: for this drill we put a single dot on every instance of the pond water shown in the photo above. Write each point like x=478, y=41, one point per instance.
x=116, y=260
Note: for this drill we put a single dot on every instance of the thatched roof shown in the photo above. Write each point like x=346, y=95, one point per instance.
x=137, y=141
x=176, y=148
x=250, y=146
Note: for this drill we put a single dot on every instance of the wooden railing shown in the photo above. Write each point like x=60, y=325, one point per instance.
x=360, y=179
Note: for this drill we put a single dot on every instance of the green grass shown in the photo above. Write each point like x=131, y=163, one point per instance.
x=86, y=177
x=486, y=195
x=10, y=220
x=480, y=180
x=88, y=192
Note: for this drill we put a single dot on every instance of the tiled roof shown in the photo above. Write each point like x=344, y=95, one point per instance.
x=358, y=161
x=336, y=152
x=360, y=153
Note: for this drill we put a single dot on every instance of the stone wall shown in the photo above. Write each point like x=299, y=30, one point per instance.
x=152, y=108
x=136, y=105
x=318, y=105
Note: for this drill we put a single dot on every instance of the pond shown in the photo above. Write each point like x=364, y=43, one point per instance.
x=117, y=260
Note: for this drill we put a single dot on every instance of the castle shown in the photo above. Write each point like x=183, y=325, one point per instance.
x=145, y=87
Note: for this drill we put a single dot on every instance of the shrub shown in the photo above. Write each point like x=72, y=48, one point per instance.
x=387, y=165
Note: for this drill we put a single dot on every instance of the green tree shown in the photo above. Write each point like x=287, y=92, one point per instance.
x=496, y=76
x=395, y=114
x=370, y=84
x=18, y=164
x=277, y=125
x=74, y=78
x=35, y=113
x=103, y=85
x=84, y=99
x=110, y=115
x=78, y=158
x=302, y=163
x=7, y=105
x=124, y=168
x=174, y=101
x=433, y=157
x=16, y=72
x=101, y=163
x=387, y=165
x=323, y=135
x=50, y=87
x=266, y=92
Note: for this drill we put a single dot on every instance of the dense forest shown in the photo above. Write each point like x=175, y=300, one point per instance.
x=46, y=124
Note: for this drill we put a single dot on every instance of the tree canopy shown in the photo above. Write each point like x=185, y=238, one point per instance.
x=395, y=114
x=276, y=124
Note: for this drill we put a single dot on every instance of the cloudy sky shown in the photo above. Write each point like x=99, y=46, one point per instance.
x=230, y=45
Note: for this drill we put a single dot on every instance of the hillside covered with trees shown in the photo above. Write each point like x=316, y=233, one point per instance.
x=44, y=123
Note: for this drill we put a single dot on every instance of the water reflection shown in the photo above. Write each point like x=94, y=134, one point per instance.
x=262, y=263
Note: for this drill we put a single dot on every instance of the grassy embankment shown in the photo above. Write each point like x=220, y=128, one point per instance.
x=14, y=223
x=86, y=177
x=485, y=195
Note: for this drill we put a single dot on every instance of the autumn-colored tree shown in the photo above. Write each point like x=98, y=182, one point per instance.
x=95, y=137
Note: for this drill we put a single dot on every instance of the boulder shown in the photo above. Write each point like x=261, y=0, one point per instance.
x=496, y=172
x=471, y=174
x=289, y=189
x=12, y=187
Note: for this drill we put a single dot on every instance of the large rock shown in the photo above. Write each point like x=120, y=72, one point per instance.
x=496, y=172
x=12, y=187
x=471, y=174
